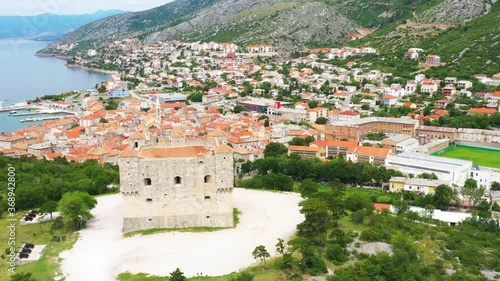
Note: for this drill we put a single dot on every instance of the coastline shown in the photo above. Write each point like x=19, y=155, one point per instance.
x=109, y=72
x=52, y=56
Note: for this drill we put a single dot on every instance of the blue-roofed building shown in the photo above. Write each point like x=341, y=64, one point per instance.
x=119, y=93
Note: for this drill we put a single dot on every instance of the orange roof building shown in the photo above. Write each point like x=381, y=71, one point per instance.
x=483, y=110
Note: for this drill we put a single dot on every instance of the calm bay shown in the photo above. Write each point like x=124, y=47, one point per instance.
x=24, y=76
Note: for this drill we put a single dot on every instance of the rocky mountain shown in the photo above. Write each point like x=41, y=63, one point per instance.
x=466, y=49
x=136, y=23
x=456, y=12
x=47, y=26
x=288, y=24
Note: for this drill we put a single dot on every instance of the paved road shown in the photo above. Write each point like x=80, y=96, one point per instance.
x=101, y=253
x=348, y=99
x=139, y=97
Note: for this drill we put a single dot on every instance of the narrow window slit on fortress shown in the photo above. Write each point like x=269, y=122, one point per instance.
x=208, y=179
x=177, y=180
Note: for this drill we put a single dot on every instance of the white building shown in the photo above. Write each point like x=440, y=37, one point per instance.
x=422, y=186
x=464, y=84
x=344, y=116
x=485, y=176
x=453, y=171
x=411, y=87
x=408, y=145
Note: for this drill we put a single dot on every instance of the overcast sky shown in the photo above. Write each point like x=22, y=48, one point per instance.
x=34, y=7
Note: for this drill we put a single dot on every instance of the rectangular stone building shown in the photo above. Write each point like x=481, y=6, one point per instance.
x=356, y=130
x=177, y=187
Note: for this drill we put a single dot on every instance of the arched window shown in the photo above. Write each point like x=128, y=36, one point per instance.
x=147, y=182
x=177, y=180
x=208, y=179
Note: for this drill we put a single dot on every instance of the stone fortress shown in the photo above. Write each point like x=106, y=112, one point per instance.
x=176, y=183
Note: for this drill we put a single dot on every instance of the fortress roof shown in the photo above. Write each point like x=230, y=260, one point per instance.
x=129, y=152
x=137, y=136
x=217, y=133
x=223, y=148
x=175, y=152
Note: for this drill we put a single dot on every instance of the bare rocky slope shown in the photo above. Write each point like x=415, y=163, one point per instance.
x=288, y=24
x=454, y=12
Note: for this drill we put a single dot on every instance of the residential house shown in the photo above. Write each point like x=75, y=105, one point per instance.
x=118, y=93
x=464, y=84
x=429, y=86
x=449, y=90
x=411, y=87
x=314, y=113
x=496, y=96
x=433, y=60
x=417, y=185
x=441, y=103
x=411, y=55
x=397, y=184
x=389, y=100
x=450, y=80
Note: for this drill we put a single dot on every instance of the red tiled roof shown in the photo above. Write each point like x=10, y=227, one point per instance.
x=482, y=110
x=389, y=97
x=379, y=207
x=373, y=151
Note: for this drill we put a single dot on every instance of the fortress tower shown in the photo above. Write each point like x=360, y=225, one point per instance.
x=177, y=186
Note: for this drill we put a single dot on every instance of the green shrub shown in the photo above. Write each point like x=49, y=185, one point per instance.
x=358, y=217
x=336, y=254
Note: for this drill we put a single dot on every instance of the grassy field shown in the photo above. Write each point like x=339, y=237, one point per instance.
x=260, y=273
x=479, y=156
x=38, y=234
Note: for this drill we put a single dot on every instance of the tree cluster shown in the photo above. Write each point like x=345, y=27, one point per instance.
x=42, y=181
x=361, y=173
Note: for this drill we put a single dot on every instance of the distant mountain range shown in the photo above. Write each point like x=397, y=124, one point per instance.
x=47, y=26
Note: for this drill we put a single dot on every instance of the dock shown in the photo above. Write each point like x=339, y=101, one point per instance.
x=15, y=108
x=35, y=119
x=25, y=114
x=39, y=112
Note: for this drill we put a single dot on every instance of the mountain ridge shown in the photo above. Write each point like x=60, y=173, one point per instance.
x=47, y=26
x=288, y=24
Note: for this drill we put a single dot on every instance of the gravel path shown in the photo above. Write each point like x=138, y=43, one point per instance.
x=102, y=253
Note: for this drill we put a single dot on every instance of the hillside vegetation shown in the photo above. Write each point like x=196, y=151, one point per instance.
x=466, y=49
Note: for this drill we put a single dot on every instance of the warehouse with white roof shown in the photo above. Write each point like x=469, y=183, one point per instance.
x=453, y=171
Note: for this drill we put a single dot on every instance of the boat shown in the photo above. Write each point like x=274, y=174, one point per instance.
x=12, y=112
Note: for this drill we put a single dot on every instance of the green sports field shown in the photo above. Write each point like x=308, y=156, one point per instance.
x=479, y=156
